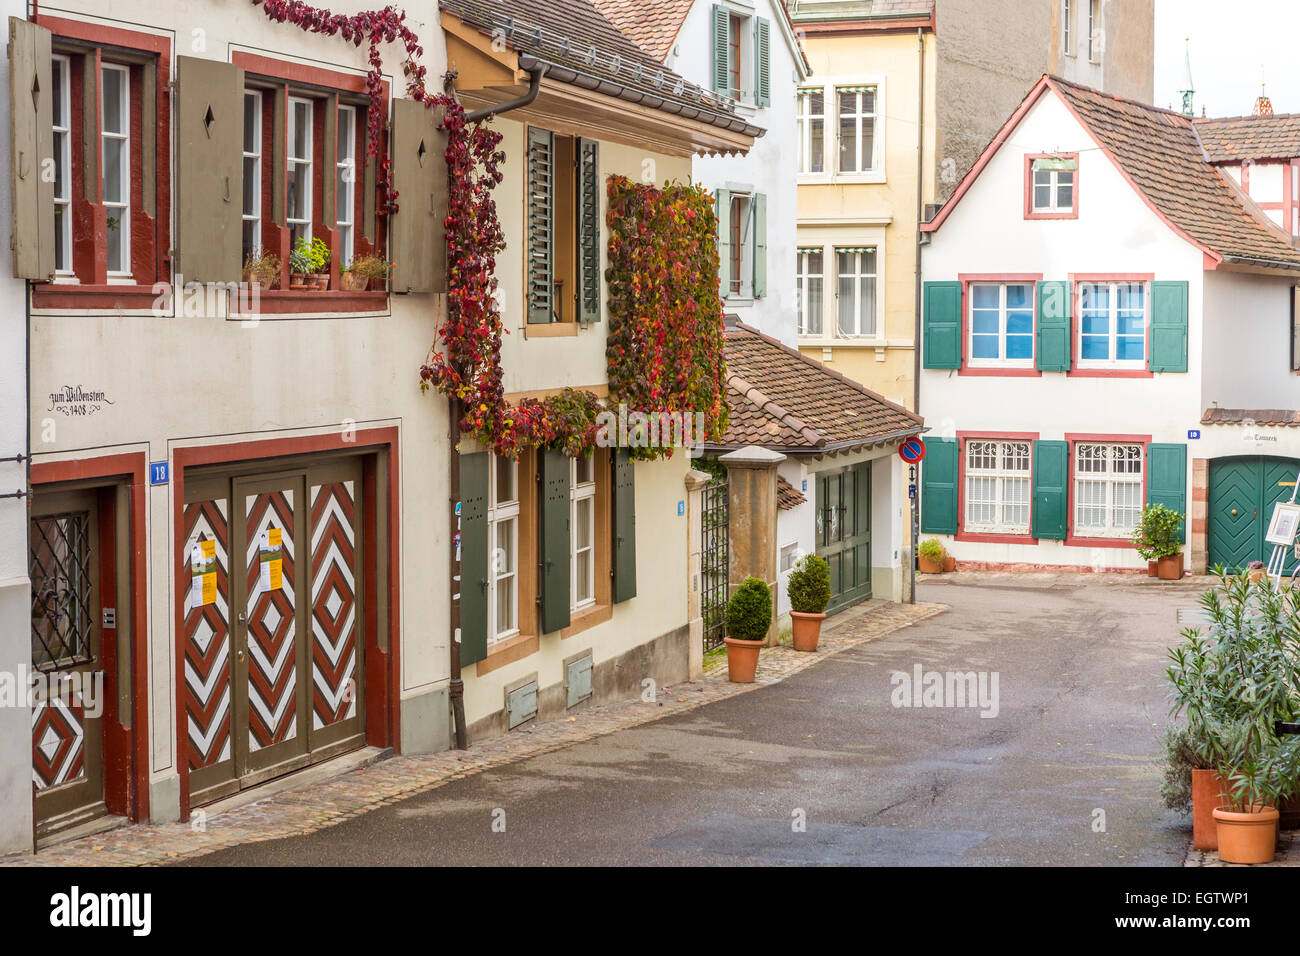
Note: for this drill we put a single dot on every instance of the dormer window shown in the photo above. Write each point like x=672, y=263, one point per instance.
x=1052, y=186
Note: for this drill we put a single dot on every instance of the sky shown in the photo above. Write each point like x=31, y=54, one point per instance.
x=1232, y=45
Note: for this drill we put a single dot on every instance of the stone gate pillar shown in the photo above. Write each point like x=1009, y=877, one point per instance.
x=751, y=518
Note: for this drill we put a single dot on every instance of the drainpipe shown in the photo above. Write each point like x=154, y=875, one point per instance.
x=457, y=687
x=916, y=318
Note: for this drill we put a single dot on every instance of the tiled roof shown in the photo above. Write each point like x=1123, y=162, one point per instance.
x=1159, y=150
x=590, y=51
x=783, y=400
x=787, y=495
x=1232, y=139
x=651, y=26
x=1251, y=416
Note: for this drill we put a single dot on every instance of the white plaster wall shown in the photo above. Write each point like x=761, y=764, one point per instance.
x=1116, y=232
x=1248, y=342
x=770, y=165
x=796, y=526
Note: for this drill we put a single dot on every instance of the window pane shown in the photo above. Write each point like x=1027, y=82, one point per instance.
x=57, y=76
x=60, y=173
x=1042, y=197
x=250, y=243
x=1065, y=196
x=250, y=122
x=299, y=178
x=346, y=141
x=867, y=306
x=250, y=186
x=115, y=257
x=114, y=156
x=114, y=95
x=586, y=470
x=505, y=481
x=817, y=161
x=503, y=559
x=847, y=312
x=302, y=130
x=985, y=296
x=1019, y=297
x=1094, y=303
x=868, y=143
x=849, y=133
x=342, y=175
x=60, y=225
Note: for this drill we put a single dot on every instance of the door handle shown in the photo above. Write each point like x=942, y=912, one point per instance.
x=1234, y=512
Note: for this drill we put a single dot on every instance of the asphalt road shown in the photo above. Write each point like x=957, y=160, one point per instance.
x=1079, y=691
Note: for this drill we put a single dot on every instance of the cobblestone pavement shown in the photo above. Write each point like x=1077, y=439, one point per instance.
x=1288, y=853
x=353, y=793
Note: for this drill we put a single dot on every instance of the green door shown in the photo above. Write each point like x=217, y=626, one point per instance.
x=844, y=532
x=1242, y=494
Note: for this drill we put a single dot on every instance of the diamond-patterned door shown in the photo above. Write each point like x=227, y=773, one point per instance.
x=72, y=688
x=1242, y=493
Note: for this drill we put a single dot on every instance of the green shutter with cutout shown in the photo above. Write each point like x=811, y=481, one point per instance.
x=1167, y=478
x=589, y=272
x=624, y=550
x=540, y=213
x=939, y=486
x=1168, y=327
x=722, y=207
x=473, y=556
x=721, y=43
x=1051, y=490
x=941, y=327
x=1053, y=327
x=759, y=205
x=554, y=545
x=762, y=62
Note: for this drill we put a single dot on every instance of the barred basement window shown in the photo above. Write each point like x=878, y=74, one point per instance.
x=59, y=565
x=1107, y=489
x=997, y=486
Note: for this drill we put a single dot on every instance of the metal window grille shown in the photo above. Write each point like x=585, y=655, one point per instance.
x=59, y=565
x=715, y=562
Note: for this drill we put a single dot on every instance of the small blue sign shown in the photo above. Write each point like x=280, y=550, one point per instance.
x=681, y=507
x=911, y=492
x=1193, y=433
x=458, y=509
x=158, y=473
x=805, y=485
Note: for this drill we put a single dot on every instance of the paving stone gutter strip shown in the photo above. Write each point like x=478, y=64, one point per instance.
x=296, y=812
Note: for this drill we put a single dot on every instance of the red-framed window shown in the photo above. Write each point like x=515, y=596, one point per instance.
x=1107, y=488
x=999, y=324
x=1052, y=186
x=1110, y=325
x=995, y=486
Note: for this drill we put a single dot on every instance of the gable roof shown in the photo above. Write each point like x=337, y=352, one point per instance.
x=583, y=48
x=1231, y=139
x=784, y=400
x=1159, y=153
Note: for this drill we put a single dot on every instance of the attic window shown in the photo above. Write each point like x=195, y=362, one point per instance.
x=1052, y=186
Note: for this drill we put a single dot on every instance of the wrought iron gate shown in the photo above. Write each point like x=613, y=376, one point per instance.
x=715, y=561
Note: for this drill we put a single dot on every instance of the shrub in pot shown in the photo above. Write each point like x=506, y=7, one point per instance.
x=309, y=264
x=809, y=590
x=262, y=270
x=365, y=272
x=1159, y=538
x=1190, y=784
x=749, y=617
x=930, y=556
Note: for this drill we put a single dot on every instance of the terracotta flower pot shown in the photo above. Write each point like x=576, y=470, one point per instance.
x=949, y=563
x=298, y=281
x=1247, y=837
x=351, y=282
x=806, y=628
x=742, y=660
x=926, y=566
x=1170, y=568
x=1208, y=792
x=319, y=280
x=1151, y=568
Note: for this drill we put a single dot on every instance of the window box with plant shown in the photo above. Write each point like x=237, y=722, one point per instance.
x=930, y=556
x=309, y=264
x=1159, y=538
x=365, y=272
x=749, y=618
x=262, y=271
x=809, y=590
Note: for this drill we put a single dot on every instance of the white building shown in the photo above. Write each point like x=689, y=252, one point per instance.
x=1108, y=321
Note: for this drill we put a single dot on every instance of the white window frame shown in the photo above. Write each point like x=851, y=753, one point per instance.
x=1067, y=27
x=62, y=66
x=1093, y=46
x=742, y=286
x=122, y=208
x=803, y=282
x=804, y=118
x=858, y=252
x=1110, y=478
x=582, y=495
x=1113, y=325
x=1005, y=451
x=1053, y=185
x=502, y=513
x=301, y=166
x=255, y=217
x=346, y=184
x=831, y=172
x=860, y=118
x=1002, y=361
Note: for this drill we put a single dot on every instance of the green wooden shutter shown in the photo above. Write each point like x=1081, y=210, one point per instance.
x=473, y=556
x=762, y=62
x=942, y=326
x=541, y=225
x=1168, y=327
x=1167, y=477
x=939, y=486
x=722, y=204
x=1051, y=484
x=624, y=569
x=759, y=206
x=588, y=231
x=721, y=50
x=1053, y=327
x=554, y=545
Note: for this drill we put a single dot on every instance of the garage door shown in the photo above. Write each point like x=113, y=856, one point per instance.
x=1242, y=494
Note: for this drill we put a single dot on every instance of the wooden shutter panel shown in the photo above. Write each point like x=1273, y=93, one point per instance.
x=1168, y=327
x=721, y=36
x=1167, y=477
x=540, y=213
x=624, y=561
x=474, y=568
x=1053, y=351
x=554, y=544
x=760, y=245
x=589, y=272
x=1051, y=483
x=722, y=206
x=416, y=238
x=939, y=486
x=31, y=143
x=762, y=62
x=942, y=325
x=209, y=170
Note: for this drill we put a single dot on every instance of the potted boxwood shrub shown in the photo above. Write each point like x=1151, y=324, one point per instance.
x=1159, y=536
x=809, y=590
x=749, y=617
x=930, y=556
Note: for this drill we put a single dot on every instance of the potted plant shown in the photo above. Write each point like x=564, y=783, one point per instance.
x=930, y=556
x=749, y=617
x=1257, y=570
x=809, y=590
x=262, y=271
x=309, y=264
x=1159, y=537
x=1190, y=784
x=299, y=267
x=1142, y=544
x=365, y=272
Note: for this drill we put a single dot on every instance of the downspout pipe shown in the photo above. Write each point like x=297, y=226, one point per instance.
x=457, y=686
x=916, y=322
